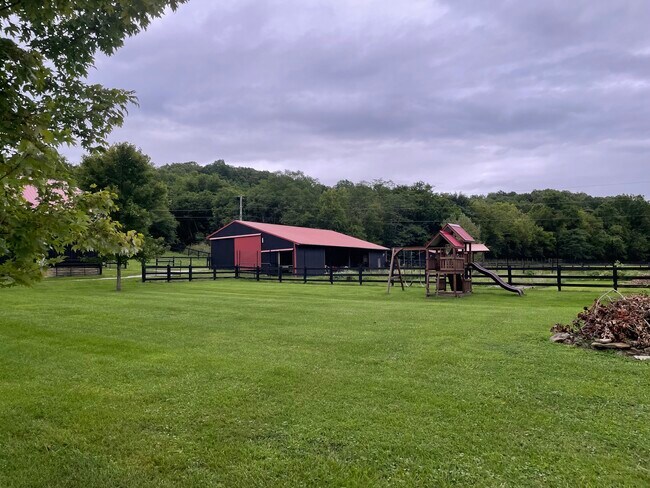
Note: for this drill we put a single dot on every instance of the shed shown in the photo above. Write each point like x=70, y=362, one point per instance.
x=273, y=246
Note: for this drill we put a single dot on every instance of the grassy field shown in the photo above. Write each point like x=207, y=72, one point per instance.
x=237, y=383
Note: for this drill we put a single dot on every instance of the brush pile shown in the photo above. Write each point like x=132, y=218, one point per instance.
x=622, y=324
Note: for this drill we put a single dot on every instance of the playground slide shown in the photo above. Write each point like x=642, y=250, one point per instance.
x=497, y=279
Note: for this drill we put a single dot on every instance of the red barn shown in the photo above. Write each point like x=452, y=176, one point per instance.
x=269, y=246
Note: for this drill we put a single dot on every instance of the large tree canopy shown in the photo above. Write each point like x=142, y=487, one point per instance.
x=140, y=197
x=142, y=201
x=46, y=50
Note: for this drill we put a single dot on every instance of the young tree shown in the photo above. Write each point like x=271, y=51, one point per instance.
x=141, y=198
x=46, y=48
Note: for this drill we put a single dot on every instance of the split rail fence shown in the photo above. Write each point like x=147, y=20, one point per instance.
x=539, y=276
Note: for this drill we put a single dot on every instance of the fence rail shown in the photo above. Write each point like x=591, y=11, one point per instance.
x=175, y=261
x=75, y=269
x=592, y=277
x=502, y=264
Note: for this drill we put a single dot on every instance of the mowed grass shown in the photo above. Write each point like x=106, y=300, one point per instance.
x=238, y=383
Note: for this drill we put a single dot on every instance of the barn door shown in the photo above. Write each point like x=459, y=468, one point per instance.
x=248, y=250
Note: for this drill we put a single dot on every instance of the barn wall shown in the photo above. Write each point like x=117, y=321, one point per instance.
x=310, y=257
x=223, y=253
x=236, y=229
x=376, y=259
x=272, y=242
x=269, y=262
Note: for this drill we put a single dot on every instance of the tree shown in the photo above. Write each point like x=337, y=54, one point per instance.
x=141, y=201
x=508, y=231
x=466, y=223
x=46, y=48
x=332, y=213
x=82, y=222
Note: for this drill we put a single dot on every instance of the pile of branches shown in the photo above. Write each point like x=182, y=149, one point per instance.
x=625, y=320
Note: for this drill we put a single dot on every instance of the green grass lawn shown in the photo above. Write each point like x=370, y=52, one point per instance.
x=238, y=383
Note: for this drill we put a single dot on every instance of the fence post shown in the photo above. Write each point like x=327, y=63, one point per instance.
x=156, y=261
x=304, y=274
x=214, y=273
x=190, y=270
x=144, y=272
x=279, y=273
x=237, y=271
x=509, y=275
x=169, y=272
x=559, y=277
x=360, y=275
x=615, y=276
x=101, y=269
x=257, y=273
x=331, y=276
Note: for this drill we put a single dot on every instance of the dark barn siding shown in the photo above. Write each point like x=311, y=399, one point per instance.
x=223, y=253
x=270, y=262
x=376, y=259
x=310, y=257
x=236, y=229
x=272, y=242
x=268, y=241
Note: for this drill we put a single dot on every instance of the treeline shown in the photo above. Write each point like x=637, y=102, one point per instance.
x=541, y=224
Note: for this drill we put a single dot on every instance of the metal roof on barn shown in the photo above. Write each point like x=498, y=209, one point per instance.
x=307, y=236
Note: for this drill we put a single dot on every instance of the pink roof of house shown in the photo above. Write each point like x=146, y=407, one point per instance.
x=309, y=237
x=30, y=193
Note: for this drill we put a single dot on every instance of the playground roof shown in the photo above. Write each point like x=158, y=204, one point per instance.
x=310, y=237
x=460, y=232
x=456, y=237
x=449, y=237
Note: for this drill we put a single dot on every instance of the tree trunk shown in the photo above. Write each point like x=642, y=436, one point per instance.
x=118, y=284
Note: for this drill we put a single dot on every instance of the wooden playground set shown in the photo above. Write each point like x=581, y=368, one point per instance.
x=449, y=263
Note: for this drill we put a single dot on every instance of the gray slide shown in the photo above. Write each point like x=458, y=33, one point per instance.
x=497, y=279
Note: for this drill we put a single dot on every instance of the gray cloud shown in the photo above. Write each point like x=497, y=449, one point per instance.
x=467, y=95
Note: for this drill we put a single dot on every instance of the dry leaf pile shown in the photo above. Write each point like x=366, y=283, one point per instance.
x=625, y=320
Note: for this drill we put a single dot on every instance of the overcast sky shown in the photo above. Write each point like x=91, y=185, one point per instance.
x=468, y=95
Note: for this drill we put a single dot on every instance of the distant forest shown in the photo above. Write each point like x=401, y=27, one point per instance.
x=542, y=224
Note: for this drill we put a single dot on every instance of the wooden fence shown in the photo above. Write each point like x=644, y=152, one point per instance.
x=587, y=276
x=175, y=261
x=556, y=276
x=75, y=269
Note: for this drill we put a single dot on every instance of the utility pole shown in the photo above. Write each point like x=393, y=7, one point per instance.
x=241, y=207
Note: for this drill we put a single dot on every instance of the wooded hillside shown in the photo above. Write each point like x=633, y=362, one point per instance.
x=540, y=224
